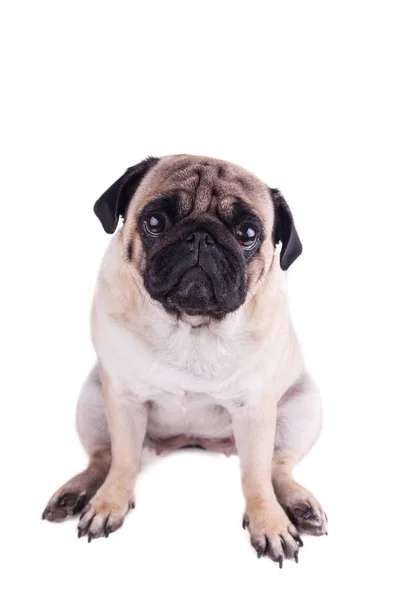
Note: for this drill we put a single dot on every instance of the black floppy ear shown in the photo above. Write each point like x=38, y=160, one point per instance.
x=285, y=231
x=113, y=204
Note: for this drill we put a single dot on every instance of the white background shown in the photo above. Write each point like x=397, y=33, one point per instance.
x=305, y=94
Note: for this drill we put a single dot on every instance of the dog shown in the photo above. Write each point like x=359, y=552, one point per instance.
x=195, y=346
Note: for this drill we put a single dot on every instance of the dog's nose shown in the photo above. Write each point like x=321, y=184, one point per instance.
x=199, y=238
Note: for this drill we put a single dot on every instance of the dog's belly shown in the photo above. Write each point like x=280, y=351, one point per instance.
x=191, y=420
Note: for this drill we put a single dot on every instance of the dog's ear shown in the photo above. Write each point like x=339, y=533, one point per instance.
x=113, y=204
x=285, y=231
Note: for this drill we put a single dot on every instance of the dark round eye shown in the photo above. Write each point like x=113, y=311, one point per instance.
x=155, y=223
x=246, y=235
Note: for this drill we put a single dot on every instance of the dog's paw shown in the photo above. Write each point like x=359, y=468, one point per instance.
x=67, y=501
x=307, y=515
x=271, y=533
x=102, y=516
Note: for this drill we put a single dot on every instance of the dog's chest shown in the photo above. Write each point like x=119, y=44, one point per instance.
x=184, y=367
x=193, y=378
x=203, y=379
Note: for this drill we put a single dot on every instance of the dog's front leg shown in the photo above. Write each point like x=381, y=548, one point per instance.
x=271, y=532
x=127, y=422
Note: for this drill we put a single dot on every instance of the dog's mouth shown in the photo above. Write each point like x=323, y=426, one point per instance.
x=194, y=295
x=197, y=277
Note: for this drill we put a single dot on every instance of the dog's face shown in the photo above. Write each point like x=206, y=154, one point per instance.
x=200, y=231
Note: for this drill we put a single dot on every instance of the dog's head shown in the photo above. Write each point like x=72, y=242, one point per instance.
x=200, y=231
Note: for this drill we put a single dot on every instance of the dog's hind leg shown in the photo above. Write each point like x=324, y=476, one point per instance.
x=299, y=422
x=92, y=428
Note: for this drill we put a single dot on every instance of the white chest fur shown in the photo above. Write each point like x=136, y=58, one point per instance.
x=194, y=377
x=164, y=356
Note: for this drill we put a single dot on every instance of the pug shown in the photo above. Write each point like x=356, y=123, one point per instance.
x=196, y=347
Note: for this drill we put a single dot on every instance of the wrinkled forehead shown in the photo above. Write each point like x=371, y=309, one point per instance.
x=204, y=184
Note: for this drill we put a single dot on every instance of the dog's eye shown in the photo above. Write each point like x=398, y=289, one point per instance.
x=155, y=223
x=246, y=235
